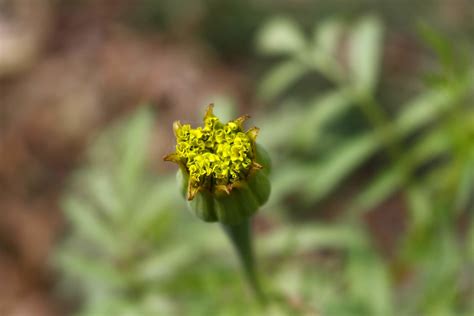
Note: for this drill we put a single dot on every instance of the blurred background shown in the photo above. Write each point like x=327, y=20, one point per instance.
x=365, y=106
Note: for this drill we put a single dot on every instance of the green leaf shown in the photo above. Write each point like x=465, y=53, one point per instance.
x=328, y=34
x=134, y=151
x=274, y=128
x=318, y=180
x=378, y=190
x=439, y=272
x=307, y=123
x=421, y=208
x=155, y=207
x=321, y=112
x=86, y=220
x=280, y=78
x=92, y=271
x=442, y=47
x=365, y=54
x=369, y=283
x=313, y=180
x=165, y=264
x=280, y=36
x=414, y=115
x=422, y=110
x=330, y=172
x=289, y=178
x=390, y=180
x=302, y=238
x=100, y=190
x=326, y=40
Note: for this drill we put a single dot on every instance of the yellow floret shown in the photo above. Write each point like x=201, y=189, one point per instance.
x=217, y=152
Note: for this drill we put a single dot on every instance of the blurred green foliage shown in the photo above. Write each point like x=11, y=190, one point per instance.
x=428, y=143
x=133, y=250
x=228, y=27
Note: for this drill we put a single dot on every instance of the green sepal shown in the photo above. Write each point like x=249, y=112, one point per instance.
x=233, y=208
x=260, y=187
x=182, y=183
x=240, y=203
x=263, y=158
x=203, y=206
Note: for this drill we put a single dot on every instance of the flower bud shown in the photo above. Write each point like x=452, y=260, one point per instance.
x=223, y=171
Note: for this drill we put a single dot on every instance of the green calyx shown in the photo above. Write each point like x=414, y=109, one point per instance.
x=223, y=172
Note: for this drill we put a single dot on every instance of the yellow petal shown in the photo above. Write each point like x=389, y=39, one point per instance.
x=172, y=157
x=176, y=125
x=221, y=188
x=240, y=120
x=209, y=111
x=192, y=190
x=253, y=133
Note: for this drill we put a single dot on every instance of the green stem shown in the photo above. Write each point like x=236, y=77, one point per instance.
x=391, y=140
x=241, y=237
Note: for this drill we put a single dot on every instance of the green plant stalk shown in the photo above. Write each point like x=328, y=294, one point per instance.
x=240, y=236
x=392, y=142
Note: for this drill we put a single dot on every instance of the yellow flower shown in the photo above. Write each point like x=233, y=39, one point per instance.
x=219, y=162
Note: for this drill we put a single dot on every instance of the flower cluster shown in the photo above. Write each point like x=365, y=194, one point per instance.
x=223, y=171
x=220, y=152
x=216, y=155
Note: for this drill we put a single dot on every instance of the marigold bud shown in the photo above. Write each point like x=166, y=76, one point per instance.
x=223, y=171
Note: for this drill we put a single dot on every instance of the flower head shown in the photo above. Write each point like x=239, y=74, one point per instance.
x=217, y=159
x=216, y=156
